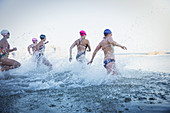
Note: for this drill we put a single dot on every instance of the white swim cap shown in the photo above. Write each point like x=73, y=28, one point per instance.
x=4, y=32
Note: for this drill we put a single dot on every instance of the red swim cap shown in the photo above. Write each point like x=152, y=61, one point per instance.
x=82, y=33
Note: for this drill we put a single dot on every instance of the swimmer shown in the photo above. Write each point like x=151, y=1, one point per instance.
x=107, y=45
x=40, y=49
x=82, y=44
x=33, y=46
x=6, y=63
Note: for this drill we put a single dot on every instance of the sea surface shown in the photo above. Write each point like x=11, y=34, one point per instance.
x=142, y=85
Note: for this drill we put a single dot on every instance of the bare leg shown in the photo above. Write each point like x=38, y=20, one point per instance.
x=47, y=63
x=39, y=59
x=81, y=59
x=6, y=68
x=111, y=68
x=8, y=64
x=38, y=62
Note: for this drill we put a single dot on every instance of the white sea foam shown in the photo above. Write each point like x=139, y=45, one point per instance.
x=75, y=74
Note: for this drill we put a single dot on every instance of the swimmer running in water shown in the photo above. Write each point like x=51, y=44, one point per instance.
x=6, y=63
x=107, y=45
x=82, y=44
x=33, y=46
x=40, y=49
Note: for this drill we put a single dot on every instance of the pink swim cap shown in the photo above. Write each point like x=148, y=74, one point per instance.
x=34, y=39
x=82, y=33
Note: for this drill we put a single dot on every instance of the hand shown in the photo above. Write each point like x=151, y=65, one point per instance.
x=123, y=47
x=14, y=49
x=46, y=42
x=89, y=62
x=70, y=59
x=88, y=50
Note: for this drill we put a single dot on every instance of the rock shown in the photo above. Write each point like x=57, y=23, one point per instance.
x=77, y=99
x=163, y=97
x=151, y=103
x=126, y=109
x=142, y=98
x=122, y=105
x=87, y=109
x=152, y=98
x=60, y=95
x=159, y=102
x=127, y=99
x=52, y=105
x=61, y=85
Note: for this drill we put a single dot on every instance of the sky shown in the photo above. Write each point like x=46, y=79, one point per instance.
x=140, y=25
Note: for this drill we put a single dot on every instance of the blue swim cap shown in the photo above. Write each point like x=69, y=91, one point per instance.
x=107, y=31
x=42, y=36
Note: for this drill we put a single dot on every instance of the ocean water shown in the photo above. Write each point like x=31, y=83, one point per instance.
x=142, y=85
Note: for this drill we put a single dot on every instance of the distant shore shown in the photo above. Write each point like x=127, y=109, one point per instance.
x=144, y=54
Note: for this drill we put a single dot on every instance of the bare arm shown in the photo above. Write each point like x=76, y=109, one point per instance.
x=46, y=42
x=30, y=46
x=116, y=44
x=5, y=45
x=72, y=46
x=94, y=53
x=88, y=45
x=14, y=49
x=38, y=45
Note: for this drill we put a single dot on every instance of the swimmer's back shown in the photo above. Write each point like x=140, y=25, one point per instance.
x=107, y=48
x=81, y=44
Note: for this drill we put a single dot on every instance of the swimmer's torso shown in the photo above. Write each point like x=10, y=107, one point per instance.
x=33, y=48
x=81, y=44
x=108, y=49
x=4, y=45
x=42, y=48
